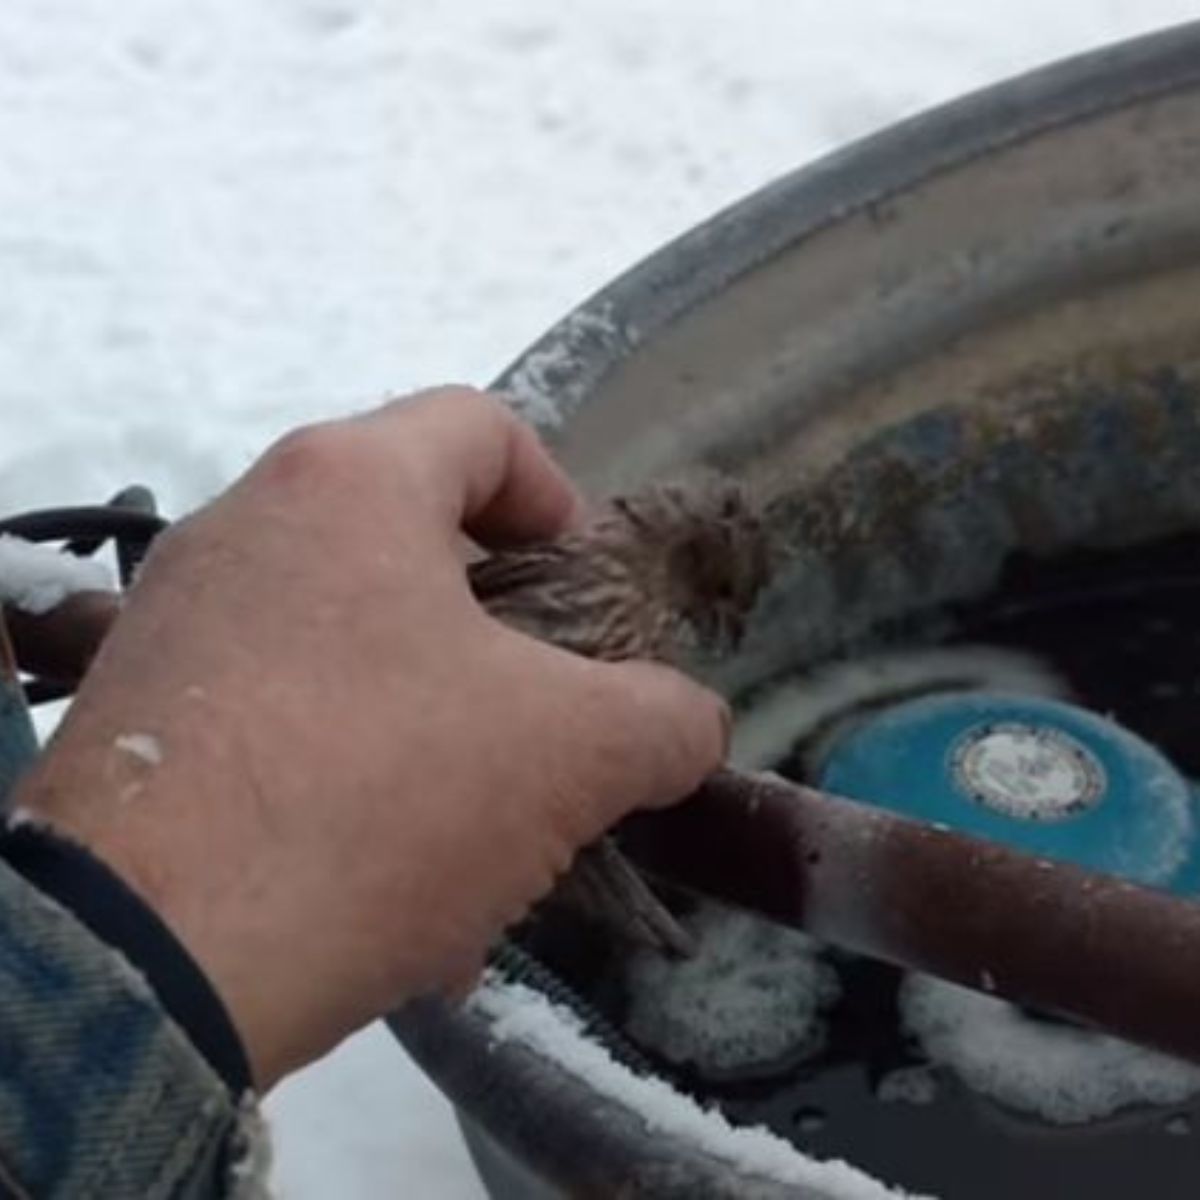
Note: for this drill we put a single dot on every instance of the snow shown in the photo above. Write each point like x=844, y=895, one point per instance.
x=1058, y=1072
x=544, y=389
x=749, y=1002
x=522, y=1015
x=37, y=578
x=223, y=219
x=363, y=1124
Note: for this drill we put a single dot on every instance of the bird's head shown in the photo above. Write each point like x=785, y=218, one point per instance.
x=715, y=547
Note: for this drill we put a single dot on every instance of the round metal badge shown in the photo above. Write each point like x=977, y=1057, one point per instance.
x=1031, y=772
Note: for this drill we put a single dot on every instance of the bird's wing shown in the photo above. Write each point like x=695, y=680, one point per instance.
x=589, y=603
x=503, y=574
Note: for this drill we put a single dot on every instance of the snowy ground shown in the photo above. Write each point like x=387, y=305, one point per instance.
x=221, y=219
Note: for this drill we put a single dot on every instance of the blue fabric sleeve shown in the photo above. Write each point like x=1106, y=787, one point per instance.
x=101, y=1093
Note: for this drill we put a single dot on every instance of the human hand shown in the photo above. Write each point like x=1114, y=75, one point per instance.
x=332, y=774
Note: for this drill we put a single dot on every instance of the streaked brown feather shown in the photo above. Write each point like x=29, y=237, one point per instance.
x=676, y=556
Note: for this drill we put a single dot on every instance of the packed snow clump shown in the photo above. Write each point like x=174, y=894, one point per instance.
x=37, y=578
x=1057, y=1072
x=749, y=1001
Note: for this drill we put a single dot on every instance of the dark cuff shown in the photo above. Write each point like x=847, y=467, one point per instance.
x=102, y=901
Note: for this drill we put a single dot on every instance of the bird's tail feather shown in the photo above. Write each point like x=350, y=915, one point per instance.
x=603, y=885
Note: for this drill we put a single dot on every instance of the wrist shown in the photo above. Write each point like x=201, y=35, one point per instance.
x=99, y=899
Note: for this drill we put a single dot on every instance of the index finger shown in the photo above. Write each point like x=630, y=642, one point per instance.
x=481, y=465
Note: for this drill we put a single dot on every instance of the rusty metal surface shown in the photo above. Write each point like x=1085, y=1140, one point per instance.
x=1121, y=958
x=915, y=515
x=752, y=303
x=9, y=673
x=58, y=645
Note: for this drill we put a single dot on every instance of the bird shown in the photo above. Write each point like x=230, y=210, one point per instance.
x=656, y=574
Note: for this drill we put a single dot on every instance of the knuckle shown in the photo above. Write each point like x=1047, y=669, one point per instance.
x=169, y=545
x=183, y=537
x=574, y=795
x=478, y=406
x=451, y=393
x=312, y=452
